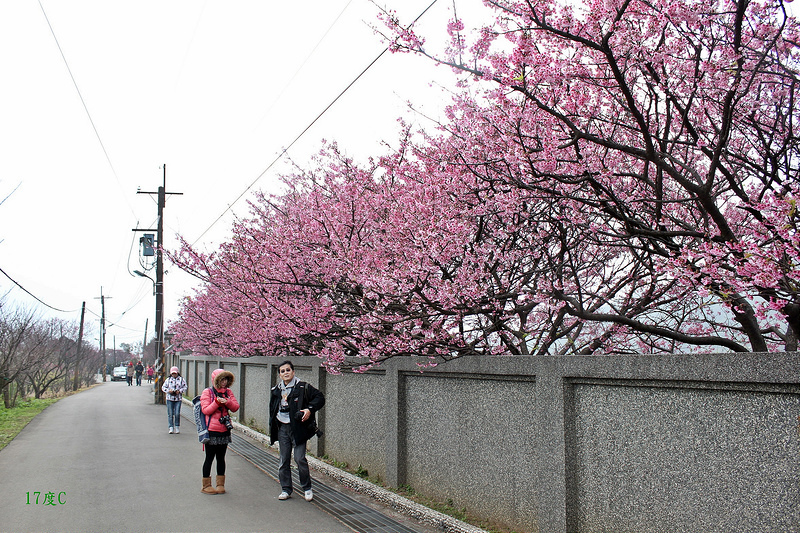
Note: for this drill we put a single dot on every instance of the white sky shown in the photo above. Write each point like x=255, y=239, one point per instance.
x=213, y=89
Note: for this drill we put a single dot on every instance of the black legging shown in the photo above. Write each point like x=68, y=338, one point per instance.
x=213, y=452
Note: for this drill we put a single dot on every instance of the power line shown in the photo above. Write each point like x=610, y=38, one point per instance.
x=85, y=107
x=75, y=83
x=281, y=154
x=139, y=297
x=296, y=72
x=34, y=296
x=191, y=41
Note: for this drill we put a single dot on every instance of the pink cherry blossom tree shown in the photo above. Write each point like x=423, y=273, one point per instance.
x=669, y=129
x=353, y=263
x=615, y=177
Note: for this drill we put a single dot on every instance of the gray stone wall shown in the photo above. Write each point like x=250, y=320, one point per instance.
x=673, y=457
x=699, y=443
x=255, y=396
x=355, y=422
x=470, y=439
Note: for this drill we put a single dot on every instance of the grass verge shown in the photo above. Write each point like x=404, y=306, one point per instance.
x=13, y=420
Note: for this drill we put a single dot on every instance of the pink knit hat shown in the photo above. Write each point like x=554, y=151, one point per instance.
x=174, y=370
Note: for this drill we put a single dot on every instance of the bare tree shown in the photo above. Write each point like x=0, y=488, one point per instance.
x=53, y=356
x=17, y=348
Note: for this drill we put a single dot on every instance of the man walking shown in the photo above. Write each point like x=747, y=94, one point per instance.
x=139, y=370
x=292, y=406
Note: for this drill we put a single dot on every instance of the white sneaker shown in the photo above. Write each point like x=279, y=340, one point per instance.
x=284, y=496
x=171, y=430
x=309, y=495
x=177, y=430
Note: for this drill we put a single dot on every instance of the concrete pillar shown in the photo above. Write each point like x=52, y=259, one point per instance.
x=395, y=425
x=551, y=485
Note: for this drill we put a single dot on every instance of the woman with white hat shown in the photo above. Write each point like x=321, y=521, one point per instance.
x=174, y=386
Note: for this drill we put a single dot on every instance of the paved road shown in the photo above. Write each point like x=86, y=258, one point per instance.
x=108, y=460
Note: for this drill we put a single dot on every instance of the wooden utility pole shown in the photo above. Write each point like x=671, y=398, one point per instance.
x=102, y=330
x=144, y=341
x=159, y=362
x=75, y=380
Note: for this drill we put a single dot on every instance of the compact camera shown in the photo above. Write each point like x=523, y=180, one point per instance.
x=225, y=420
x=313, y=423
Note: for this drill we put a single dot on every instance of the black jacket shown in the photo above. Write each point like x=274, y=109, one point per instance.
x=298, y=400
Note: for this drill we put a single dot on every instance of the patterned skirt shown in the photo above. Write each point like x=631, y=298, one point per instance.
x=217, y=438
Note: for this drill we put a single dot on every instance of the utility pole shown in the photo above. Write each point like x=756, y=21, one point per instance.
x=162, y=197
x=144, y=341
x=102, y=330
x=75, y=379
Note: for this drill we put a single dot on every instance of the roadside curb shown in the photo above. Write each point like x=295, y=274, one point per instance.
x=400, y=504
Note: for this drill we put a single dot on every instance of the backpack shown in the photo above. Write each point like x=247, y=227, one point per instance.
x=200, y=421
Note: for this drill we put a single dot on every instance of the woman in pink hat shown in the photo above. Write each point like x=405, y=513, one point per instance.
x=174, y=386
x=217, y=402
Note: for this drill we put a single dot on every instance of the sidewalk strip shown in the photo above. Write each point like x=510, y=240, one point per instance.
x=356, y=515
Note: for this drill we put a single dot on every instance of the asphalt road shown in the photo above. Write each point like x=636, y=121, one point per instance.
x=108, y=463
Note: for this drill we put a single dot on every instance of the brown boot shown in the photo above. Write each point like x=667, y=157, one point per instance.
x=207, y=488
x=220, y=484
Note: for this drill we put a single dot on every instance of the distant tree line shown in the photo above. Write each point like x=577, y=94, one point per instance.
x=39, y=355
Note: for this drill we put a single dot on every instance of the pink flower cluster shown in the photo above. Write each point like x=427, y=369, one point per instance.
x=616, y=177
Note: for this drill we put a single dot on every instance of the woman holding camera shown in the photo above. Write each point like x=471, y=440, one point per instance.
x=217, y=402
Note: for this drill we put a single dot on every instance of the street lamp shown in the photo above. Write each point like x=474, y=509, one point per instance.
x=158, y=291
x=142, y=274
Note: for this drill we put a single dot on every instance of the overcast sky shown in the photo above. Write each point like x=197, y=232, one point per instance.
x=214, y=90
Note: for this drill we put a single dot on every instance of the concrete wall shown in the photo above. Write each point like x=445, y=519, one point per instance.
x=700, y=443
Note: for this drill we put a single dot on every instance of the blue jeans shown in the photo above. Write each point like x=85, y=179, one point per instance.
x=287, y=443
x=174, y=413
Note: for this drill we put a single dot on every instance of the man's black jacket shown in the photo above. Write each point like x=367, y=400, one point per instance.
x=303, y=396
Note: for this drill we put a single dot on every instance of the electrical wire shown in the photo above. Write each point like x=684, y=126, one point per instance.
x=85, y=107
x=296, y=72
x=115, y=322
x=34, y=296
x=191, y=41
x=9, y=194
x=281, y=154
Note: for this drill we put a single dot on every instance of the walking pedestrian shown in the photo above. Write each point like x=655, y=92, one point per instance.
x=174, y=386
x=139, y=369
x=129, y=374
x=292, y=407
x=217, y=402
x=150, y=372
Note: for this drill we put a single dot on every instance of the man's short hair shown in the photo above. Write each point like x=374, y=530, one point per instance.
x=287, y=362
